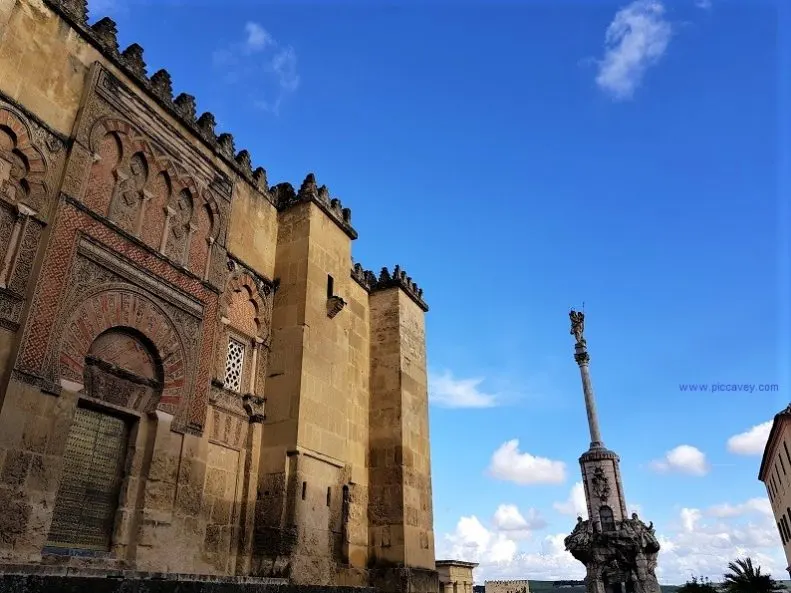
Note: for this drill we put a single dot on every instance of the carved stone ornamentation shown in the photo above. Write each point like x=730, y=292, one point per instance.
x=254, y=406
x=31, y=158
x=581, y=356
x=105, y=292
x=126, y=206
x=335, y=305
x=257, y=292
x=26, y=175
x=134, y=310
x=626, y=556
x=600, y=484
x=180, y=214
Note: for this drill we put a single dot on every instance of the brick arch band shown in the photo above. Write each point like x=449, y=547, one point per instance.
x=124, y=308
x=133, y=141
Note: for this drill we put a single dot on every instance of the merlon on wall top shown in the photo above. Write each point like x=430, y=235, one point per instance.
x=103, y=35
x=371, y=282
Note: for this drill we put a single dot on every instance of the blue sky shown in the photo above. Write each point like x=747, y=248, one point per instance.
x=518, y=159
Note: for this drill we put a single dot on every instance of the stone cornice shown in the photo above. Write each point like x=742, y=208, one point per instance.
x=599, y=455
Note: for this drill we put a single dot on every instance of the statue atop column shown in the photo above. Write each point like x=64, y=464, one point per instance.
x=577, y=326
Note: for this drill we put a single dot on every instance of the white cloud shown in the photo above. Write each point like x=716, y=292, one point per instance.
x=752, y=441
x=284, y=64
x=705, y=4
x=258, y=38
x=695, y=542
x=704, y=547
x=575, y=505
x=508, y=519
x=636, y=39
x=475, y=543
x=449, y=392
x=754, y=505
x=684, y=459
x=266, y=68
x=508, y=463
x=689, y=517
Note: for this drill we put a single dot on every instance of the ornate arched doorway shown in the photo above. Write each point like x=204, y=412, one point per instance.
x=124, y=372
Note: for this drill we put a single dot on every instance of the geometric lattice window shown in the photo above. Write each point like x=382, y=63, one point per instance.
x=233, y=365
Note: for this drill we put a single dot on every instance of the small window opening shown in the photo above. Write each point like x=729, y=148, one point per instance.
x=304, y=489
x=330, y=287
x=329, y=495
x=606, y=518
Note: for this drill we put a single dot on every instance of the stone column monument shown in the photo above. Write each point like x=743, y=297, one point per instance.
x=619, y=552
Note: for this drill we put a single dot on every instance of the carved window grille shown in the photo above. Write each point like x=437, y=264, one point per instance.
x=234, y=364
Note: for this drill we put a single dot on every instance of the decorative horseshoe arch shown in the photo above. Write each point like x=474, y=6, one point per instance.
x=133, y=141
x=117, y=307
x=34, y=179
x=242, y=282
x=211, y=203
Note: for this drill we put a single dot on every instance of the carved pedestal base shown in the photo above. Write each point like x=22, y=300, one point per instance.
x=619, y=561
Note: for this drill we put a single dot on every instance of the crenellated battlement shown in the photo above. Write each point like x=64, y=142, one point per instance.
x=516, y=586
x=284, y=197
x=103, y=34
x=386, y=279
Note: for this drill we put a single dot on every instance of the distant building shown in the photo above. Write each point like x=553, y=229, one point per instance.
x=775, y=473
x=455, y=576
x=507, y=586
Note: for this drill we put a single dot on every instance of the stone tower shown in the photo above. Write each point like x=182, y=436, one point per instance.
x=619, y=552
